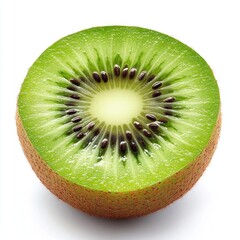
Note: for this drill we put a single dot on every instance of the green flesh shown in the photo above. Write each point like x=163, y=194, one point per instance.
x=114, y=105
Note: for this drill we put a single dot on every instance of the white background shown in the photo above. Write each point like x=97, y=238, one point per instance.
x=211, y=209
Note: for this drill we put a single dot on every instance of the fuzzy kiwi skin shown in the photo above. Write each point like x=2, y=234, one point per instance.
x=119, y=204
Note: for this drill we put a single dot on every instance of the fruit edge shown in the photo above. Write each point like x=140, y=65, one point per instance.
x=120, y=204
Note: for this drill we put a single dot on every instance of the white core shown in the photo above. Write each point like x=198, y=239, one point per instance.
x=116, y=106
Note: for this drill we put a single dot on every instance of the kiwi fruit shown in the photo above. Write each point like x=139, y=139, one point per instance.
x=119, y=121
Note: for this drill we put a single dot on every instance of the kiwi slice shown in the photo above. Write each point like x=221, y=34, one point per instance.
x=119, y=121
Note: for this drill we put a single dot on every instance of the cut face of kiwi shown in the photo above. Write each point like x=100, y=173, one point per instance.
x=114, y=111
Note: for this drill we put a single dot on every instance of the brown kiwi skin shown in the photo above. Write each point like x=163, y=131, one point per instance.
x=119, y=204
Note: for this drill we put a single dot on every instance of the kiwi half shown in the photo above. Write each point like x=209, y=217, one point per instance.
x=119, y=121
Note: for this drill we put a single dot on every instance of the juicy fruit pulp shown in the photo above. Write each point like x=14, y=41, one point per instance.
x=119, y=109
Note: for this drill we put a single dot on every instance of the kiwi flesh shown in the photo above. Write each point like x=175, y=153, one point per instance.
x=119, y=121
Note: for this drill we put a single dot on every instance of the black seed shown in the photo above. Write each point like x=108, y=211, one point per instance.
x=82, y=79
x=151, y=117
x=123, y=147
x=128, y=135
x=75, y=96
x=76, y=119
x=133, y=146
x=147, y=133
x=90, y=126
x=156, y=85
x=113, y=140
x=163, y=120
x=124, y=72
x=150, y=78
x=169, y=100
x=169, y=113
x=96, y=77
x=132, y=73
x=80, y=135
x=71, y=111
x=153, y=126
x=116, y=70
x=138, y=125
x=72, y=88
x=77, y=128
x=104, y=143
x=96, y=132
x=142, y=75
x=104, y=76
x=75, y=82
x=156, y=94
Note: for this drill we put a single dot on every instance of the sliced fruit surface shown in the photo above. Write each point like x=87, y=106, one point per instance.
x=119, y=108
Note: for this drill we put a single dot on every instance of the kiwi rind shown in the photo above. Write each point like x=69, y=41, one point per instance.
x=120, y=204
